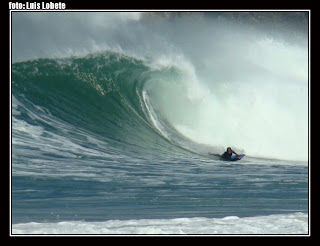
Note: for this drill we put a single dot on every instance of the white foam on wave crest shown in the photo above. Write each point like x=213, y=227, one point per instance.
x=258, y=102
x=296, y=223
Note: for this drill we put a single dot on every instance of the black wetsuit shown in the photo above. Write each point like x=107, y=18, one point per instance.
x=226, y=155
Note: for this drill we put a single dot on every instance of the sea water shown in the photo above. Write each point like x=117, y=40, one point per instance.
x=111, y=138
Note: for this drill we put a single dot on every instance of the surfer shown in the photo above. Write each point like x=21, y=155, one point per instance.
x=228, y=153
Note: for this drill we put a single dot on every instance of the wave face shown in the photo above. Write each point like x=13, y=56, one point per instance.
x=102, y=95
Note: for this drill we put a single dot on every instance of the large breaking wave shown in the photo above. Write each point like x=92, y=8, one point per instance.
x=157, y=92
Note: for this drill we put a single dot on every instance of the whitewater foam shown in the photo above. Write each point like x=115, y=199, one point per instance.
x=296, y=223
x=236, y=110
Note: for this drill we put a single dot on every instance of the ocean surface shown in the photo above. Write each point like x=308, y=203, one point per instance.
x=111, y=133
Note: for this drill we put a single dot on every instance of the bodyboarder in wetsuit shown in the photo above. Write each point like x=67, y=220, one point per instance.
x=228, y=154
